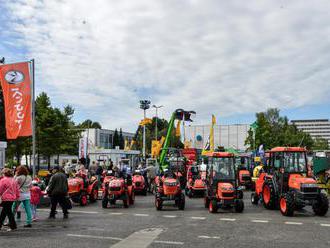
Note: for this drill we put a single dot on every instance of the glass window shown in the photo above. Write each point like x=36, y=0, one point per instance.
x=223, y=168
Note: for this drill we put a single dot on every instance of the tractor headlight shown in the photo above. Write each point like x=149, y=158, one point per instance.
x=228, y=189
x=308, y=185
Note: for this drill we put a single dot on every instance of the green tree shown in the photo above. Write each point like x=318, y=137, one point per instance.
x=116, y=139
x=90, y=124
x=274, y=130
x=121, y=139
x=320, y=144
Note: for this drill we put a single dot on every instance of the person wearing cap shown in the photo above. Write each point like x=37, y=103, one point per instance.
x=36, y=194
x=58, y=190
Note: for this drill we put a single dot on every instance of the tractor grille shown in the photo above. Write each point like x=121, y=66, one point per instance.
x=224, y=194
x=309, y=189
x=246, y=178
x=137, y=184
x=114, y=188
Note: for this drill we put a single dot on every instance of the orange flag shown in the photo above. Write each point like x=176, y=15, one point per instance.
x=16, y=87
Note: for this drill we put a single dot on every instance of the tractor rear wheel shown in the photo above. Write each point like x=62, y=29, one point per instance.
x=213, y=206
x=83, y=199
x=94, y=195
x=206, y=201
x=287, y=204
x=105, y=202
x=268, y=195
x=158, y=204
x=132, y=198
x=182, y=202
x=254, y=198
x=239, y=206
x=321, y=206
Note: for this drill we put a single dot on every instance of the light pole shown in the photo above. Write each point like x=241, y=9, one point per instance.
x=144, y=104
x=156, y=130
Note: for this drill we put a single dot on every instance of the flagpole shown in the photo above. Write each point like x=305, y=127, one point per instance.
x=33, y=121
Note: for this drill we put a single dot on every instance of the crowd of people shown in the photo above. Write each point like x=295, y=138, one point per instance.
x=18, y=189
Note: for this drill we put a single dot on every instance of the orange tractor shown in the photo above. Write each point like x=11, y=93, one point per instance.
x=221, y=179
x=117, y=189
x=244, y=175
x=168, y=188
x=195, y=184
x=82, y=189
x=139, y=183
x=286, y=184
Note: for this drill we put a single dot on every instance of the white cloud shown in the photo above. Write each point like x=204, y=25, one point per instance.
x=222, y=57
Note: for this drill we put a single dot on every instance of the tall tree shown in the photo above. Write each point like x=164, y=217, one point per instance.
x=320, y=144
x=90, y=124
x=121, y=139
x=116, y=139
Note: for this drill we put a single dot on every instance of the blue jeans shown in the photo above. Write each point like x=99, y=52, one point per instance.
x=34, y=211
x=27, y=208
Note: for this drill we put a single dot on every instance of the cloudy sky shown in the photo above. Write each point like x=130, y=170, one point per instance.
x=230, y=58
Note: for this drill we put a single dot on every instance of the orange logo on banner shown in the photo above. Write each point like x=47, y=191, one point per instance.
x=16, y=88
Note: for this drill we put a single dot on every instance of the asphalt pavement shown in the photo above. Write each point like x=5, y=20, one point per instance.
x=142, y=226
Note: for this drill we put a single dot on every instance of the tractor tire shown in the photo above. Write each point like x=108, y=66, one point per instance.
x=190, y=193
x=94, y=195
x=132, y=198
x=287, y=204
x=144, y=192
x=206, y=201
x=83, y=199
x=239, y=206
x=268, y=196
x=105, y=202
x=158, y=204
x=213, y=206
x=254, y=198
x=240, y=194
x=182, y=202
x=112, y=202
x=321, y=207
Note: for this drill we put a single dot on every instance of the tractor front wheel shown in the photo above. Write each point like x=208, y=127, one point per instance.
x=105, y=202
x=254, y=198
x=158, y=204
x=239, y=206
x=287, y=204
x=321, y=206
x=132, y=198
x=94, y=194
x=182, y=202
x=206, y=201
x=213, y=206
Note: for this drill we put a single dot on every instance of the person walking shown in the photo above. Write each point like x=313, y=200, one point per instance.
x=36, y=194
x=24, y=181
x=58, y=190
x=9, y=193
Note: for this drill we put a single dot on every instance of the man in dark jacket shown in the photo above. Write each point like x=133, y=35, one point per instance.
x=58, y=190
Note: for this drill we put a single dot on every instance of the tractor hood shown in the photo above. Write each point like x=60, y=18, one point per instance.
x=225, y=187
x=138, y=178
x=296, y=180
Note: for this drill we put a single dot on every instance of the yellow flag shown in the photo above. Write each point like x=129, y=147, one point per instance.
x=212, y=133
x=178, y=130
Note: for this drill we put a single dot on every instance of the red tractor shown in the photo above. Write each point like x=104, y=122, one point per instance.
x=117, y=189
x=221, y=179
x=195, y=183
x=139, y=183
x=82, y=189
x=286, y=184
x=168, y=188
x=244, y=175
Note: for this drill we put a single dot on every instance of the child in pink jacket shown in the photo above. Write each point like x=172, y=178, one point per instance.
x=9, y=193
x=36, y=194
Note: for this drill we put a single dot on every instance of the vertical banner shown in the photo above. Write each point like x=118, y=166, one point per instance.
x=16, y=86
x=83, y=147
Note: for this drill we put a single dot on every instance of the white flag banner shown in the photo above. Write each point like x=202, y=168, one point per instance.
x=83, y=147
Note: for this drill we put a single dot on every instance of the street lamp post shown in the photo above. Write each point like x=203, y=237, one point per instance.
x=156, y=130
x=144, y=104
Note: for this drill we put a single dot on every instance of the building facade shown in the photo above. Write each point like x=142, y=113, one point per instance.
x=228, y=136
x=103, y=138
x=317, y=128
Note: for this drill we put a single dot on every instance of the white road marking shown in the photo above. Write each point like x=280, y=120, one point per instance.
x=169, y=216
x=115, y=213
x=73, y=211
x=168, y=242
x=208, y=237
x=198, y=218
x=227, y=219
x=93, y=237
x=140, y=239
x=322, y=224
x=260, y=221
x=95, y=229
x=292, y=223
x=142, y=215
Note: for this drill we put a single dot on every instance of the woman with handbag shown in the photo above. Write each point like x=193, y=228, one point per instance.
x=24, y=181
x=9, y=193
